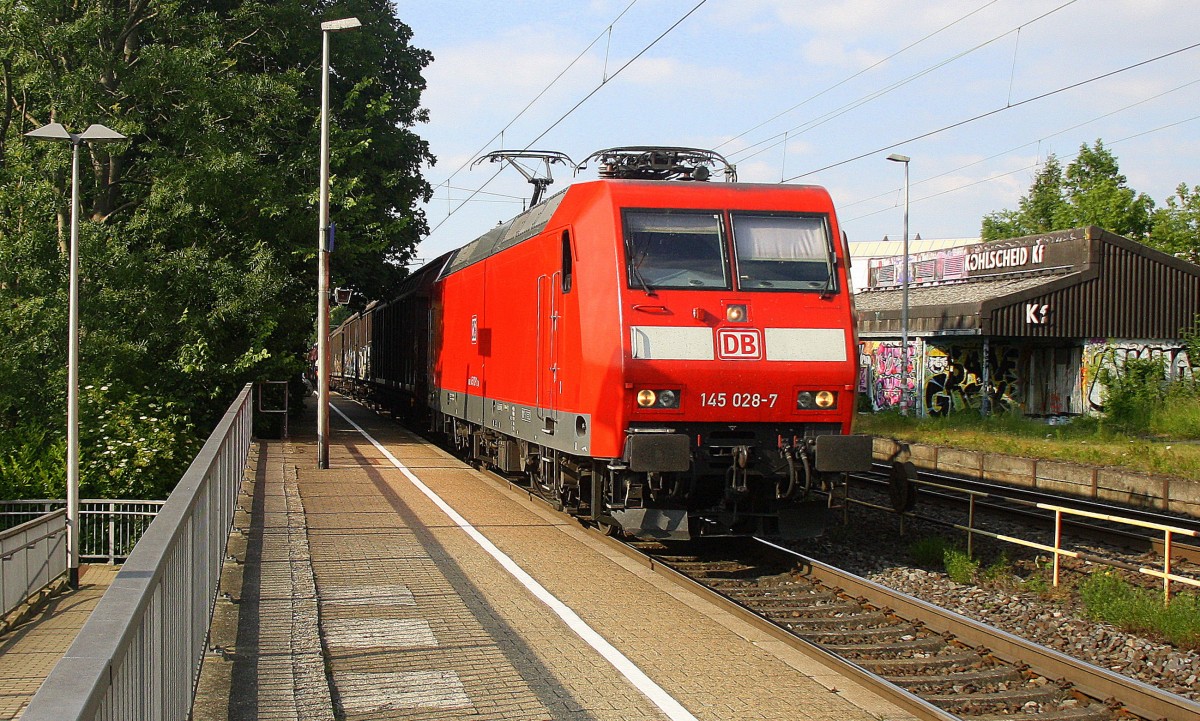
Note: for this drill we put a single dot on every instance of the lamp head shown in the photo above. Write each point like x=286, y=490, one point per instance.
x=897, y=157
x=51, y=131
x=94, y=134
x=331, y=26
x=100, y=134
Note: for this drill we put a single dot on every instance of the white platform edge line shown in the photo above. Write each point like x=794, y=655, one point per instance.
x=643, y=683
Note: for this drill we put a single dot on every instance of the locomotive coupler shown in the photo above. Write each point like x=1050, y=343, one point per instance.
x=664, y=487
x=739, y=473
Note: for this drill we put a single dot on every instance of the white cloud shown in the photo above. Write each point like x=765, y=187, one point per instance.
x=733, y=66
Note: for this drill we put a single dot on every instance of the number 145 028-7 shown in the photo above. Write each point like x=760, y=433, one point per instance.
x=738, y=400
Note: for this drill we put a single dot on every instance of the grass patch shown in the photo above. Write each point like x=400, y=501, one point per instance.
x=1037, y=582
x=1000, y=570
x=1180, y=416
x=1084, y=440
x=960, y=567
x=929, y=552
x=1112, y=599
x=936, y=552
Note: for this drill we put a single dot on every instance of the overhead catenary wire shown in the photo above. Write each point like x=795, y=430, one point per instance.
x=767, y=143
x=1018, y=170
x=500, y=134
x=995, y=111
x=1013, y=149
x=575, y=107
x=865, y=70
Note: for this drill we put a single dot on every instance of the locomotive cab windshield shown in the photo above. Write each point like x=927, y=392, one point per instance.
x=675, y=249
x=782, y=252
x=687, y=250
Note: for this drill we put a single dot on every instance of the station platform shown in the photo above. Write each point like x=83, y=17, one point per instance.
x=401, y=583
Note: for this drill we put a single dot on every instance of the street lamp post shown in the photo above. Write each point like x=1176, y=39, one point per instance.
x=328, y=27
x=94, y=134
x=898, y=158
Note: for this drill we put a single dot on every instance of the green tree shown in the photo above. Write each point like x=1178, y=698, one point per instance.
x=1176, y=228
x=1096, y=193
x=1038, y=212
x=1092, y=191
x=198, y=246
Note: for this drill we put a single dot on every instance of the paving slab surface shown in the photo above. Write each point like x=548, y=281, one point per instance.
x=30, y=650
x=353, y=594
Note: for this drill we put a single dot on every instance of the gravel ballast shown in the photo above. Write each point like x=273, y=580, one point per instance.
x=872, y=547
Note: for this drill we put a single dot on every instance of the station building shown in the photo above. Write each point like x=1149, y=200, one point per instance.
x=1025, y=323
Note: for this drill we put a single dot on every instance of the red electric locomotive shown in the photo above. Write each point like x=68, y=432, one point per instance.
x=672, y=358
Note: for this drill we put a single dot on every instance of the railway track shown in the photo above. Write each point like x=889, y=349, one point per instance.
x=932, y=661
x=1022, y=504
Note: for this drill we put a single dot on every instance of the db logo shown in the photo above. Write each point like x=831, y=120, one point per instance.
x=739, y=344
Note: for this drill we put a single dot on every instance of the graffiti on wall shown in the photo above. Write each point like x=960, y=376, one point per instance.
x=1101, y=354
x=950, y=377
x=955, y=378
x=880, y=377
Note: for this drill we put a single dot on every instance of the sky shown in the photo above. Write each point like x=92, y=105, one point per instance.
x=975, y=92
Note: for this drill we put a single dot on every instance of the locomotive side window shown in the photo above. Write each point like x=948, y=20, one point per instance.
x=783, y=252
x=674, y=249
x=567, y=264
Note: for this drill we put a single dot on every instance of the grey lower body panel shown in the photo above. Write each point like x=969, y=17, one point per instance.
x=566, y=432
x=659, y=524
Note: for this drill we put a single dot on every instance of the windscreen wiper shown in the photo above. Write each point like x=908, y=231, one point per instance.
x=637, y=274
x=641, y=281
x=829, y=288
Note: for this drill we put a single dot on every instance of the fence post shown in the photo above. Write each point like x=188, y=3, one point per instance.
x=112, y=533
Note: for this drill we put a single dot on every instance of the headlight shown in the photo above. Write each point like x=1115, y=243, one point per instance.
x=813, y=400
x=665, y=398
x=735, y=313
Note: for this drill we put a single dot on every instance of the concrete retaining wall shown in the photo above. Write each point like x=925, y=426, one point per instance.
x=1111, y=485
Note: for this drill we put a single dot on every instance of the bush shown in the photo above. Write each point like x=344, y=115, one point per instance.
x=1179, y=416
x=132, y=445
x=1112, y=599
x=32, y=462
x=1134, y=394
x=960, y=567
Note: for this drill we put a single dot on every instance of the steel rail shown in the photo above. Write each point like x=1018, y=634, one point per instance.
x=1028, y=507
x=1035, y=495
x=901, y=697
x=1138, y=697
x=906, y=700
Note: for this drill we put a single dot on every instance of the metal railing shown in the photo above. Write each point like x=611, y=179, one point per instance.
x=138, y=655
x=108, y=529
x=32, y=555
x=1057, y=546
